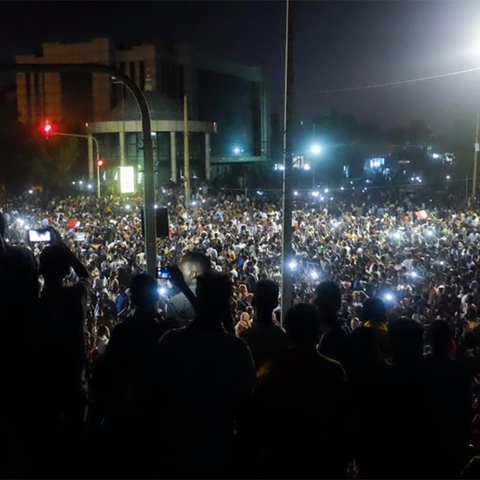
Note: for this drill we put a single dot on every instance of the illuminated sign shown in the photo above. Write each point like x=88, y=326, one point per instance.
x=127, y=179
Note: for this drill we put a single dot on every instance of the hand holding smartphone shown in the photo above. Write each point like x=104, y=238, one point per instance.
x=163, y=273
x=39, y=235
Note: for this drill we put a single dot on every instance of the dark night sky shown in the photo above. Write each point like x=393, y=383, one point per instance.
x=337, y=44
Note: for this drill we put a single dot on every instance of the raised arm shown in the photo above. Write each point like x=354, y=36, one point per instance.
x=78, y=267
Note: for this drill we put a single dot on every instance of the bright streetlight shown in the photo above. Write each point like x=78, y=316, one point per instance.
x=315, y=149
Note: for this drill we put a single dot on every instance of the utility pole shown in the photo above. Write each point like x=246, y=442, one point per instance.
x=475, y=163
x=288, y=167
x=186, y=152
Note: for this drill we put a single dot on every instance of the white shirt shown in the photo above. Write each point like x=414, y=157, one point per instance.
x=102, y=343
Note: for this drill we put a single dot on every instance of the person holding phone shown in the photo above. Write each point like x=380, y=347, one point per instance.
x=192, y=265
x=63, y=312
x=18, y=299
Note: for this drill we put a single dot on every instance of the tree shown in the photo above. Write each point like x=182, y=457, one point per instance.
x=53, y=159
x=416, y=133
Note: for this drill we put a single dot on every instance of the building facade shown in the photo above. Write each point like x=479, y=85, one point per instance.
x=229, y=95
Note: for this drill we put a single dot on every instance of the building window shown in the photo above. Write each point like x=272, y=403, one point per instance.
x=132, y=147
x=171, y=80
x=28, y=94
x=36, y=93
x=132, y=70
x=142, y=75
x=113, y=96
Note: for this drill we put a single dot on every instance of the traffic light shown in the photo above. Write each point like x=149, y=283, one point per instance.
x=47, y=130
x=100, y=163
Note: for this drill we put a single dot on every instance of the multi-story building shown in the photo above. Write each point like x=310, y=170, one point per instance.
x=229, y=95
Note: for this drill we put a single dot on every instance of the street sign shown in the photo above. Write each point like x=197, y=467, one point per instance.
x=127, y=179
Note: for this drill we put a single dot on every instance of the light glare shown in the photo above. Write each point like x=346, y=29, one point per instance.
x=315, y=149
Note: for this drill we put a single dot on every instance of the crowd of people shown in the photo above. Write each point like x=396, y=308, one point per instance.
x=372, y=373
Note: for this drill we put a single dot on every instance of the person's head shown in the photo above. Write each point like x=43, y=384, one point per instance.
x=328, y=298
x=144, y=291
x=471, y=313
x=192, y=265
x=103, y=331
x=406, y=337
x=122, y=290
x=214, y=292
x=441, y=335
x=265, y=299
x=55, y=263
x=302, y=324
x=365, y=351
x=374, y=311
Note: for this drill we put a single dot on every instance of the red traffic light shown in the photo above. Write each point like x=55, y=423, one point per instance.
x=100, y=163
x=47, y=128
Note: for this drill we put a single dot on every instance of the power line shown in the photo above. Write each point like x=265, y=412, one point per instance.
x=389, y=84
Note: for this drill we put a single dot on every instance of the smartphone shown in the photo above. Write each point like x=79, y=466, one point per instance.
x=163, y=273
x=36, y=235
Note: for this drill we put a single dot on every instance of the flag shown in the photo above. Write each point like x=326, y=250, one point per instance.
x=73, y=223
x=422, y=215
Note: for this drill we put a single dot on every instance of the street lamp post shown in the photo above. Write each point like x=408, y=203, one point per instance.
x=315, y=149
x=287, y=249
x=475, y=161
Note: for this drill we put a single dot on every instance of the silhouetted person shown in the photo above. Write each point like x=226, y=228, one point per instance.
x=300, y=407
x=367, y=374
x=18, y=284
x=467, y=353
x=204, y=380
x=408, y=423
x=334, y=341
x=448, y=387
x=264, y=337
x=192, y=265
x=128, y=363
x=122, y=303
x=375, y=317
x=63, y=311
x=18, y=300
